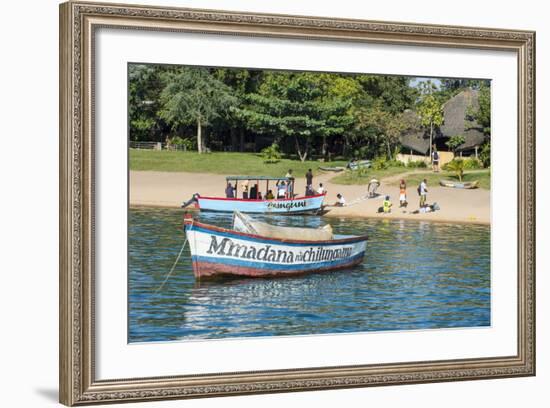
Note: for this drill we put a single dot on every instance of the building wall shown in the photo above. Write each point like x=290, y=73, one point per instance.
x=444, y=157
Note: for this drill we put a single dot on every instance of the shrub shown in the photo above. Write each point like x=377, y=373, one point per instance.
x=472, y=164
x=456, y=166
x=395, y=163
x=362, y=152
x=271, y=154
x=485, y=154
x=185, y=143
x=417, y=164
x=357, y=175
x=380, y=163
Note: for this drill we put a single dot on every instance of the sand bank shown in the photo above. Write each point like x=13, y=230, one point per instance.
x=160, y=189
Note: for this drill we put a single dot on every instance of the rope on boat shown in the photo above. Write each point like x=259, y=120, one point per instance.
x=173, y=266
x=358, y=200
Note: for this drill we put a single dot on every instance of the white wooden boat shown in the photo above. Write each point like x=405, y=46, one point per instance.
x=279, y=252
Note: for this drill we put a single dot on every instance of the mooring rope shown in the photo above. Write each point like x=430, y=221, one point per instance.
x=358, y=200
x=173, y=266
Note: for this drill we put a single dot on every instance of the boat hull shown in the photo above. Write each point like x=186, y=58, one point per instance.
x=300, y=205
x=457, y=184
x=218, y=251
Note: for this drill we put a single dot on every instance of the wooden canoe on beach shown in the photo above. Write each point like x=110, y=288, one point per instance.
x=459, y=184
x=335, y=169
x=217, y=251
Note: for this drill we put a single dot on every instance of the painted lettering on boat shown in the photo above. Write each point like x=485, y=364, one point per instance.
x=287, y=205
x=229, y=248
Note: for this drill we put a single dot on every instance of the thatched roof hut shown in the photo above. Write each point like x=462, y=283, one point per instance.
x=456, y=122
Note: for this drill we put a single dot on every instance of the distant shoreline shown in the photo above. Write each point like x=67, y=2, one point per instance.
x=168, y=190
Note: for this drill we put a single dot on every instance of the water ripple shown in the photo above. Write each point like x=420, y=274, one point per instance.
x=416, y=275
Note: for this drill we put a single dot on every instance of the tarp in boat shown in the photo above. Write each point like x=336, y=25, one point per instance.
x=244, y=223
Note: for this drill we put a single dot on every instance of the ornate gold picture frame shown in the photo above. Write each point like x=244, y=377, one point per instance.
x=78, y=24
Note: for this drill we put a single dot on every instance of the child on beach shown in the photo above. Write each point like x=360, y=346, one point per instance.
x=402, y=194
x=387, y=205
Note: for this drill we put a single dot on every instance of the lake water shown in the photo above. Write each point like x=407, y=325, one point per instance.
x=415, y=275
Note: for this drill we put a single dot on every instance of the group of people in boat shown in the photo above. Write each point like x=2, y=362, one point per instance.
x=284, y=188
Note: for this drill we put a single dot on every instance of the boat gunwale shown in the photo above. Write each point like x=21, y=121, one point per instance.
x=188, y=221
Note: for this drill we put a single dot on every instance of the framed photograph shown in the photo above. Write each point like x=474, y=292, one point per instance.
x=256, y=203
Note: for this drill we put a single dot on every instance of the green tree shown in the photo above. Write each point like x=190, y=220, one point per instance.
x=384, y=129
x=296, y=106
x=394, y=93
x=455, y=141
x=430, y=110
x=482, y=115
x=378, y=103
x=193, y=95
x=144, y=87
x=481, y=118
x=242, y=82
x=456, y=84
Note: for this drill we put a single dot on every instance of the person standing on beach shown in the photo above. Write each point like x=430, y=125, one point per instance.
x=309, y=179
x=402, y=194
x=290, y=186
x=423, y=191
x=435, y=160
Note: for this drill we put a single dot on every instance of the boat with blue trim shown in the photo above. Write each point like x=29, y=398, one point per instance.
x=256, y=249
x=280, y=199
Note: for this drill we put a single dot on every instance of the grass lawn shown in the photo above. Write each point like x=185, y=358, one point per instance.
x=484, y=177
x=363, y=177
x=220, y=163
x=412, y=176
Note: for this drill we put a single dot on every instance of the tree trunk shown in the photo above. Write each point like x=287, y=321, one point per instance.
x=389, y=150
x=299, y=151
x=345, y=146
x=324, y=147
x=199, y=136
x=241, y=148
x=233, y=133
x=431, y=139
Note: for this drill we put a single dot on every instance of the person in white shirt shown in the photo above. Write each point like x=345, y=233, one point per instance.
x=281, y=190
x=341, y=202
x=321, y=189
x=423, y=191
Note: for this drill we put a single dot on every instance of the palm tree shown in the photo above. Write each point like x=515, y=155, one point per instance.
x=457, y=165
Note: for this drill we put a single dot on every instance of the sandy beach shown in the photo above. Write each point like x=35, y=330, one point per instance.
x=170, y=189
